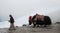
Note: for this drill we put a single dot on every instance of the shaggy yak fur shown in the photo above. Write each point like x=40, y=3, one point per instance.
x=41, y=20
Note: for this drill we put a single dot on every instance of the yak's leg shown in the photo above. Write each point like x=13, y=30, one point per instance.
x=30, y=22
x=37, y=25
x=39, y=22
x=45, y=25
x=34, y=24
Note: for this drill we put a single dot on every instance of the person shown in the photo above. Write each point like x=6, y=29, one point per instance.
x=11, y=23
x=11, y=19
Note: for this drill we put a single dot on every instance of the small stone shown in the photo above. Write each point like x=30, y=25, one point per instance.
x=24, y=24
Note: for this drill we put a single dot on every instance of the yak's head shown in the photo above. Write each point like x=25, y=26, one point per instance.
x=30, y=22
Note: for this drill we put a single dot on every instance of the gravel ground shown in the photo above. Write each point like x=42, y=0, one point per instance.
x=54, y=28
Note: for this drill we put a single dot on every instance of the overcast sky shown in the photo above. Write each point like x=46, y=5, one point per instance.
x=19, y=8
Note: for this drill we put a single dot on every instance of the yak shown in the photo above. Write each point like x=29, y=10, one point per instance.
x=40, y=20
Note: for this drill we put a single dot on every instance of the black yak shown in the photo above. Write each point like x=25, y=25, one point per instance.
x=40, y=20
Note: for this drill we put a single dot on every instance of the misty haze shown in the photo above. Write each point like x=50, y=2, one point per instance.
x=29, y=16
x=22, y=9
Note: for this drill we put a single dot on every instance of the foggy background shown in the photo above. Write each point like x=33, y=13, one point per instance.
x=21, y=9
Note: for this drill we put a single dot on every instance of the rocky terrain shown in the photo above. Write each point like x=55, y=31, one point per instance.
x=54, y=28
